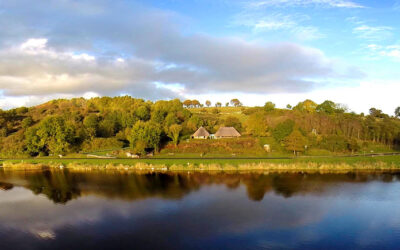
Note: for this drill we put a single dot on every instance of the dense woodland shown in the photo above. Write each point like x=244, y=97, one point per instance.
x=79, y=125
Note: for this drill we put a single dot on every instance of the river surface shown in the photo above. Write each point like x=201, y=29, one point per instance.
x=65, y=209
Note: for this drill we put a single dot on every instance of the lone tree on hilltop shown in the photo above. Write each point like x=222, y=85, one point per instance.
x=306, y=106
x=269, y=106
x=377, y=113
x=196, y=103
x=187, y=103
x=235, y=102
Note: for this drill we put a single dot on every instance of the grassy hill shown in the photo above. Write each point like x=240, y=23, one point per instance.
x=115, y=126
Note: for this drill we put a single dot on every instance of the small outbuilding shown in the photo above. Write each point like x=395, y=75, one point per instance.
x=227, y=132
x=201, y=133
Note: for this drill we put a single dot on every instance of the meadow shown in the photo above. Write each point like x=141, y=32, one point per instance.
x=386, y=162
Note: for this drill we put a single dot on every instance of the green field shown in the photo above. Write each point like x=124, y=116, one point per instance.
x=392, y=161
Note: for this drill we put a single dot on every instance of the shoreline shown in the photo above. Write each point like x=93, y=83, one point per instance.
x=384, y=163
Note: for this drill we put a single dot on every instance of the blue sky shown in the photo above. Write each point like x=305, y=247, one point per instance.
x=257, y=50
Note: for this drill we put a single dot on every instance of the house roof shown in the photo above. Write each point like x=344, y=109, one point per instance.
x=201, y=132
x=227, y=132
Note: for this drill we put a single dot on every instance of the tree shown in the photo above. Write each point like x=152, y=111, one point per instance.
x=143, y=113
x=232, y=121
x=27, y=122
x=208, y=103
x=330, y=107
x=3, y=132
x=140, y=147
x=227, y=104
x=327, y=107
x=269, y=106
x=91, y=124
x=187, y=103
x=295, y=142
x=108, y=127
x=289, y=106
x=235, y=102
x=335, y=143
x=353, y=146
x=147, y=133
x=52, y=135
x=21, y=110
x=397, y=112
x=170, y=119
x=256, y=124
x=308, y=106
x=32, y=141
x=174, y=132
x=282, y=130
x=377, y=113
x=218, y=104
x=194, y=123
x=195, y=103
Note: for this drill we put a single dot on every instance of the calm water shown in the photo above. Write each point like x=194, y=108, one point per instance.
x=75, y=210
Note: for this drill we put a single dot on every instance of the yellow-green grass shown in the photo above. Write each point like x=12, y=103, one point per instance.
x=223, y=112
x=294, y=164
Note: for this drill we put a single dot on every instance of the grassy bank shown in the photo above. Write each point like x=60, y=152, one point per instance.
x=298, y=164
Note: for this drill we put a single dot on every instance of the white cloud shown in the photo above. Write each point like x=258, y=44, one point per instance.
x=290, y=3
x=83, y=56
x=39, y=46
x=271, y=25
x=307, y=33
x=260, y=22
x=391, y=51
x=373, y=32
x=373, y=46
x=34, y=45
x=120, y=60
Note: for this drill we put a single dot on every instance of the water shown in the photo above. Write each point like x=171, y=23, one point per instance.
x=113, y=210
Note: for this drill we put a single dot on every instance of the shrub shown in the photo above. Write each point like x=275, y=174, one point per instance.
x=101, y=144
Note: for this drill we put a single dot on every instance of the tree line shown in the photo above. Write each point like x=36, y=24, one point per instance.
x=196, y=104
x=80, y=125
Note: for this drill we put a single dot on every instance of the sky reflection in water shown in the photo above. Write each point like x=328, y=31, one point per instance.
x=75, y=210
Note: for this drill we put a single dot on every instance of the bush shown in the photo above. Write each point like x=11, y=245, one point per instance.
x=101, y=144
x=282, y=130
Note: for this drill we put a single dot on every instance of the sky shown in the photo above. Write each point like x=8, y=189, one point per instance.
x=284, y=51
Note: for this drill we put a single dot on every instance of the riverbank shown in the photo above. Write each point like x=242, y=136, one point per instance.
x=289, y=164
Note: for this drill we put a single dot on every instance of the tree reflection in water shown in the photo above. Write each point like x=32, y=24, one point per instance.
x=61, y=186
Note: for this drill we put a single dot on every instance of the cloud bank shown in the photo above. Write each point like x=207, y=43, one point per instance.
x=69, y=48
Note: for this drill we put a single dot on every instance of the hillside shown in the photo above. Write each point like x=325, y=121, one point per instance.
x=62, y=127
